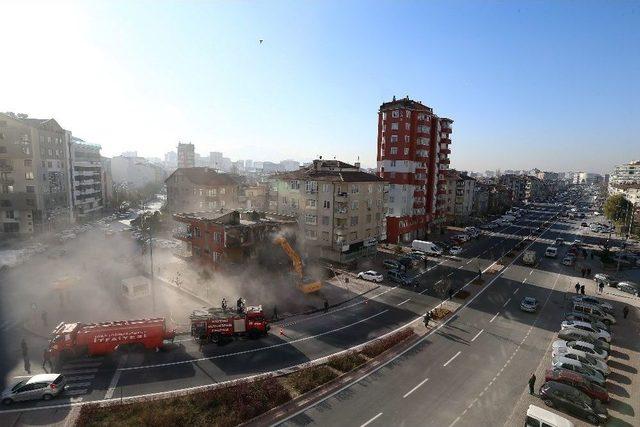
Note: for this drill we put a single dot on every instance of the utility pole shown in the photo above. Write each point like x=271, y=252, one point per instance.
x=147, y=224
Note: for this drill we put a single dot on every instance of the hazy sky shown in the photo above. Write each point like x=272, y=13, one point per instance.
x=547, y=84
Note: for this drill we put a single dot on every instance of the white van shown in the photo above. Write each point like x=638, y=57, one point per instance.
x=539, y=417
x=551, y=252
x=428, y=248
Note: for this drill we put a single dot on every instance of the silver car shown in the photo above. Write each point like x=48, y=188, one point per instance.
x=36, y=387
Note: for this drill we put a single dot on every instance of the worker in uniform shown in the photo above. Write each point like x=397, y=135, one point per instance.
x=224, y=304
x=240, y=305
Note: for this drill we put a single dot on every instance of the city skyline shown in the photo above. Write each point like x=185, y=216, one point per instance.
x=513, y=100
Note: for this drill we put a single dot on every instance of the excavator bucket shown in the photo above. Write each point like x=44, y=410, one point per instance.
x=310, y=287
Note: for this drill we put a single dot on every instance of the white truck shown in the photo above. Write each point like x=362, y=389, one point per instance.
x=428, y=248
x=529, y=257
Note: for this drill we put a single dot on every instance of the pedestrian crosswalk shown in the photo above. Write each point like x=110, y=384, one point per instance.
x=80, y=374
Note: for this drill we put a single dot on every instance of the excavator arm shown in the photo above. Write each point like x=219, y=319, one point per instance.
x=310, y=287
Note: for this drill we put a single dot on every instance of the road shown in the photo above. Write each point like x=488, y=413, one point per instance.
x=471, y=370
x=310, y=337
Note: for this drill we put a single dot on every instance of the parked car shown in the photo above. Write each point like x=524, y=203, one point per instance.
x=399, y=277
x=594, y=311
x=579, y=355
x=455, y=250
x=569, y=260
x=578, y=381
x=630, y=288
x=595, y=301
x=371, y=276
x=559, y=241
x=585, y=326
x=583, y=317
x=537, y=416
x=605, y=279
x=392, y=264
x=406, y=261
x=36, y=387
x=417, y=255
x=576, y=366
x=529, y=304
x=588, y=348
x=566, y=397
x=580, y=335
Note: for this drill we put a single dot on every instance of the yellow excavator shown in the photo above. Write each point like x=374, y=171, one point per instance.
x=306, y=286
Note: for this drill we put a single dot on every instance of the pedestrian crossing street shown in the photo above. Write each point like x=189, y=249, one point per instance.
x=7, y=325
x=80, y=374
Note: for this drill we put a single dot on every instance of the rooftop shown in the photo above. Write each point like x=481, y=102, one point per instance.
x=207, y=177
x=236, y=217
x=329, y=170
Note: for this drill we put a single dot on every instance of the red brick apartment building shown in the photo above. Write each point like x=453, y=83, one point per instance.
x=413, y=156
x=225, y=236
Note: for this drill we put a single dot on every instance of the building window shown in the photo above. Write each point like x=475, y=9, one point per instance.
x=354, y=204
x=311, y=203
x=384, y=116
x=325, y=235
x=354, y=189
x=406, y=138
x=393, y=150
x=196, y=232
x=368, y=218
x=326, y=204
x=30, y=202
x=50, y=152
x=370, y=188
x=311, y=234
x=28, y=175
x=406, y=151
x=9, y=215
x=311, y=219
x=223, y=190
x=395, y=114
x=354, y=221
x=311, y=186
x=325, y=220
x=408, y=113
x=217, y=237
x=325, y=188
x=3, y=149
x=394, y=126
x=394, y=138
x=31, y=189
x=407, y=126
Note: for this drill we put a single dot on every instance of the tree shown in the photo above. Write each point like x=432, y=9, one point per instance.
x=617, y=208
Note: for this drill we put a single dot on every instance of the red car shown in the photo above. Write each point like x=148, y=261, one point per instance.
x=576, y=380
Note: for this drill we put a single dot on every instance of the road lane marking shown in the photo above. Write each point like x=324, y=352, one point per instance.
x=451, y=360
x=404, y=302
x=371, y=420
x=116, y=377
x=531, y=272
x=494, y=317
x=454, y=422
x=477, y=335
x=415, y=388
x=79, y=385
x=459, y=268
x=516, y=291
x=506, y=302
x=524, y=280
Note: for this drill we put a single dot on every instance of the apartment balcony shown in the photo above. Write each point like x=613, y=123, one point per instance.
x=445, y=161
x=6, y=168
x=7, y=181
x=445, y=151
x=341, y=213
x=342, y=197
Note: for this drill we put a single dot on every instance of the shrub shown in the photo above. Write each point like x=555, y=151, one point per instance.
x=380, y=345
x=346, y=363
x=308, y=379
x=440, y=313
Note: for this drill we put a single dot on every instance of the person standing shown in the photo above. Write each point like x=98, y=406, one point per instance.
x=601, y=286
x=588, y=271
x=275, y=312
x=583, y=271
x=326, y=306
x=625, y=311
x=582, y=289
x=577, y=288
x=427, y=317
x=46, y=359
x=532, y=383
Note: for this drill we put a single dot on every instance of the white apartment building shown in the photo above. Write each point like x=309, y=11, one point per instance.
x=86, y=178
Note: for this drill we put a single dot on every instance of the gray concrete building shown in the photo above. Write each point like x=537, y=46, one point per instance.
x=86, y=179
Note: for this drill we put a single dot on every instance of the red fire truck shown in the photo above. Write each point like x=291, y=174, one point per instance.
x=218, y=325
x=70, y=340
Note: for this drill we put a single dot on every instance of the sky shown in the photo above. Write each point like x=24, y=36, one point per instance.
x=547, y=84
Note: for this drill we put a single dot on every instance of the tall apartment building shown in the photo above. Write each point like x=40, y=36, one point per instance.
x=202, y=189
x=413, y=156
x=459, y=196
x=33, y=174
x=340, y=209
x=86, y=178
x=186, y=155
x=628, y=173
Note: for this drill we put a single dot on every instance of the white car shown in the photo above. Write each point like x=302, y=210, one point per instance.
x=576, y=324
x=587, y=347
x=455, y=250
x=371, y=276
x=571, y=353
x=594, y=301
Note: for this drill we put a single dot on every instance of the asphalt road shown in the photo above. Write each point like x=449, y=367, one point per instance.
x=472, y=370
x=314, y=336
